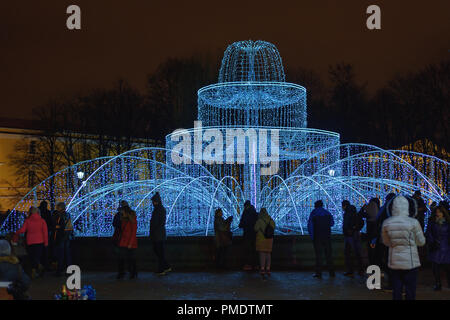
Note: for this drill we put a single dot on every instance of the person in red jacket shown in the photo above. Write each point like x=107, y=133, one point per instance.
x=36, y=238
x=127, y=242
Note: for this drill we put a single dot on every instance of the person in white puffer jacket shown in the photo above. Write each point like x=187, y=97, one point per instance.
x=402, y=234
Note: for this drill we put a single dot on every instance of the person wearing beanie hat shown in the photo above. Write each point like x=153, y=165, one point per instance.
x=402, y=234
x=158, y=233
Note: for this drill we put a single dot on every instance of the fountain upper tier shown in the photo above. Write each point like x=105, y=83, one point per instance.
x=251, y=61
x=252, y=90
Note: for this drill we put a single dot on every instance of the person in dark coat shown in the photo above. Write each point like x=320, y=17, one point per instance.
x=117, y=226
x=12, y=271
x=127, y=242
x=247, y=223
x=369, y=212
x=158, y=233
x=223, y=238
x=319, y=227
x=62, y=235
x=351, y=227
x=47, y=216
x=438, y=240
x=421, y=208
x=381, y=251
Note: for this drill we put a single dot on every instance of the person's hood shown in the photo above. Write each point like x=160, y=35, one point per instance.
x=400, y=207
x=9, y=259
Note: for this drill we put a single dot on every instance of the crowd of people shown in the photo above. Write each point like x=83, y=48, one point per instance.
x=394, y=234
x=47, y=244
x=395, y=237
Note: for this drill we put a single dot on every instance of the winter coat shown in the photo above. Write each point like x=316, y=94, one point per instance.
x=222, y=234
x=421, y=212
x=36, y=230
x=128, y=232
x=370, y=212
x=62, y=227
x=351, y=222
x=11, y=270
x=437, y=236
x=117, y=229
x=402, y=234
x=262, y=243
x=247, y=223
x=47, y=216
x=319, y=224
x=158, y=224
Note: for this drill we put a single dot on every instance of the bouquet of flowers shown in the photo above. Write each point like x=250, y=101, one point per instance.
x=86, y=293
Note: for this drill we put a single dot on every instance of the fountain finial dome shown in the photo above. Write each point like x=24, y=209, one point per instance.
x=252, y=61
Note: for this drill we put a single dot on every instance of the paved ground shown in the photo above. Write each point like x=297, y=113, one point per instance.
x=230, y=285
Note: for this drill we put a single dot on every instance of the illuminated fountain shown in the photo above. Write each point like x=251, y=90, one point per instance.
x=253, y=108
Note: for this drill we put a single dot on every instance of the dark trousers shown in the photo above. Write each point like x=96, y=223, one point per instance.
x=353, y=245
x=158, y=248
x=404, y=279
x=129, y=256
x=382, y=258
x=46, y=257
x=63, y=255
x=371, y=254
x=35, y=253
x=221, y=256
x=436, y=267
x=320, y=246
x=250, y=251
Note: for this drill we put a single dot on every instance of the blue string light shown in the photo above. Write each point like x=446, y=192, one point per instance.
x=251, y=94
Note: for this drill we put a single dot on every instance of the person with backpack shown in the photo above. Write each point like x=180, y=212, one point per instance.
x=247, y=223
x=319, y=227
x=351, y=227
x=264, y=228
x=438, y=241
x=402, y=234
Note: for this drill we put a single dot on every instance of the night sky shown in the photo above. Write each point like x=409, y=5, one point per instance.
x=41, y=59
